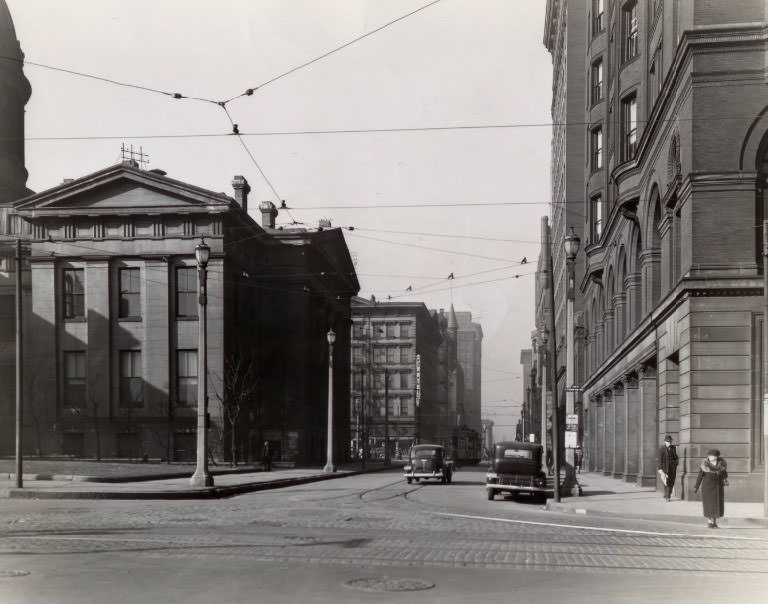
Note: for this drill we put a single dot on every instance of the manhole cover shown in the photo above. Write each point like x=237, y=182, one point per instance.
x=9, y=574
x=388, y=584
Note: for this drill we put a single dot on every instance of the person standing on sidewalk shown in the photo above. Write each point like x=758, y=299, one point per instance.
x=266, y=457
x=668, y=466
x=713, y=476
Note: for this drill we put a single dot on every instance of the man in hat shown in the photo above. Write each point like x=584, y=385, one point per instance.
x=668, y=466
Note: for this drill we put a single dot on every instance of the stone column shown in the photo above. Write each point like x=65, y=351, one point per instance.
x=609, y=440
x=600, y=436
x=633, y=286
x=647, y=397
x=608, y=339
x=619, y=430
x=650, y=260
x=667, y=268
x=591, y=439
x=632, y=441
x=620, y=316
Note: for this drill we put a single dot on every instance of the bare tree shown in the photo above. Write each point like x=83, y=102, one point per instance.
x=93, y=406
x=235, y=392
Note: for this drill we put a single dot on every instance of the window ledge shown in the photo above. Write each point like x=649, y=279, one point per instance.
x=186, y=318
x=75, y=320
x=129, y=319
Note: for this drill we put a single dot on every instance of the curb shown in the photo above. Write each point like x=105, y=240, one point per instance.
x=123, y=478
x=727, y=521
x=204, y=493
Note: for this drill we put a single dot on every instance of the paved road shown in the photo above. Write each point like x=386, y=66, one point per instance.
x=303, y=544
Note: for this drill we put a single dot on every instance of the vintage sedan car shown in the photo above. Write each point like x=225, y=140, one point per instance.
x=428, y=462
x=515, y=467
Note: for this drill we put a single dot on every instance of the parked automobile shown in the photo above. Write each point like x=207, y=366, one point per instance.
x=428, y=462
x=515, y=467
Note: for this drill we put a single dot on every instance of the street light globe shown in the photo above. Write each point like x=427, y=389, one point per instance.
x=202, y=253
x=331, y=337
x=572, y=243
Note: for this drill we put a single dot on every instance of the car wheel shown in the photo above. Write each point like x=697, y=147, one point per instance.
x=409, y=479
x=491, y=494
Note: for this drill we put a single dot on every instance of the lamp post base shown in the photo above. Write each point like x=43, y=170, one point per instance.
x=329, y=468
x=201, y=479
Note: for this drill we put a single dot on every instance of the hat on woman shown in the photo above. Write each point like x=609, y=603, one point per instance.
x=668, y=438
x=715, y=452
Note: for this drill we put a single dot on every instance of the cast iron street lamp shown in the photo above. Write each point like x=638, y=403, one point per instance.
x=202, y=477
x=329, y=467
x=543, y=336
x=571, y=245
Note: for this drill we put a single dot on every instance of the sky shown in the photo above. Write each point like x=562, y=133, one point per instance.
x=426, y=200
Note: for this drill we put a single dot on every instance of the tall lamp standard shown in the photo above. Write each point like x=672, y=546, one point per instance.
x=571, y=244
x=202, y=477
x=543, y=337
x=329, y=467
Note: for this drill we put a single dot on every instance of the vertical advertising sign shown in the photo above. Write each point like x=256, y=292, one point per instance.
x=418, y=379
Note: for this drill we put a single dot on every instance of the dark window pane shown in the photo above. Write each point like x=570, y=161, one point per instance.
x=74, y=379
x=186, y=292
x=74, y=294
x=131, y=391
x=130, y=290
x=186, y=377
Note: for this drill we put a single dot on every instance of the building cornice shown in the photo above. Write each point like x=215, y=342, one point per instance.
x=687, y=288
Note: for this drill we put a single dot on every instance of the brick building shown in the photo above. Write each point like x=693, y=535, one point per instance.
x=111, y=321
x=397, y=341
x=674, y=175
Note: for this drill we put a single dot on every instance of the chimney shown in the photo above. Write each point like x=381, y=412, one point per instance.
x=241, y=187
x=268, y=214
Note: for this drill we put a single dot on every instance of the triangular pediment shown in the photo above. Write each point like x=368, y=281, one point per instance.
x=124, y=190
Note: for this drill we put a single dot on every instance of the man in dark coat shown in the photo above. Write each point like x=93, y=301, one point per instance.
x=668, y=466
x=266, y=457
x=713, y=476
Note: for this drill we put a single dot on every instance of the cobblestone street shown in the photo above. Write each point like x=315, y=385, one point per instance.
x=372, y=524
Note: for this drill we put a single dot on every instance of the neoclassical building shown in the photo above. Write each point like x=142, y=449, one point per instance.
x=676, y=142
x=111, y=318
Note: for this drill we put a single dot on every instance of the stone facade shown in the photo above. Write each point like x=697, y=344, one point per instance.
x=111, y=322
x=674, y=184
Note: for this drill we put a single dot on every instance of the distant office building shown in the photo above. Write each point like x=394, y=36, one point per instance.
x=469, y=349
x=394, y=362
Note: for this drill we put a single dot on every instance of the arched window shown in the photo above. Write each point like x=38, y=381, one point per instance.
x=635, y=304
x=655, y=246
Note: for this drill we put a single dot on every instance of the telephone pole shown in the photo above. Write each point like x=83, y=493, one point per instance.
x=19, y=382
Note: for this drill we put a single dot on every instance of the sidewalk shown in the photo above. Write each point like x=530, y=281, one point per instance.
x=177, y=487
x=605, y=496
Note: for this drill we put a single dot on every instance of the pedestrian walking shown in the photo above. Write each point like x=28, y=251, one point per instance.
x=668, y=466
x=266, y=457
x=578, y=456
x=713, y=476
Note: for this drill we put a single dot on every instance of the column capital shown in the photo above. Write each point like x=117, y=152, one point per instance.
x=645, y=371
x=629, y=380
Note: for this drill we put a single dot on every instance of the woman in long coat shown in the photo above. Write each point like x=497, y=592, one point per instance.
x=713, y=475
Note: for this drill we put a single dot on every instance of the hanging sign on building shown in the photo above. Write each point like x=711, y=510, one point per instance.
x=572, y=421
x=418, y=379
